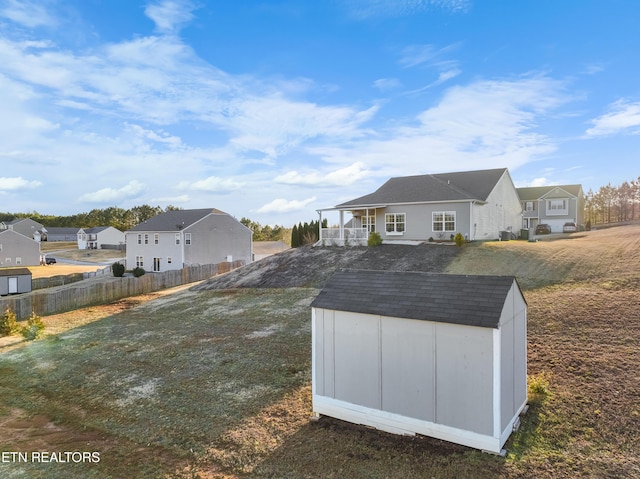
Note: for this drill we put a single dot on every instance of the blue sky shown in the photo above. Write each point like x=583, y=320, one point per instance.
x=273, y=109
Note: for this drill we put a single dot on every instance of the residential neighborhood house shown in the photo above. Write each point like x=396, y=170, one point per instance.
x=18, y=250
x=180, y=238
x=25, y=226
x=61, y=233
x=481, y=205
x=100, y=237
x=552, y=205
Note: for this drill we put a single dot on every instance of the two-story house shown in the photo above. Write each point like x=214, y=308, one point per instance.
x=552, y=205
x=99, y=236
x=180, y=238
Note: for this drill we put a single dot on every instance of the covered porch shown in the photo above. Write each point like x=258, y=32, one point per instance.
x=353, y=232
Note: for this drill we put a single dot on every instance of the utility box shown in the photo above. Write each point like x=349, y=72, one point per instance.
x=421, y=353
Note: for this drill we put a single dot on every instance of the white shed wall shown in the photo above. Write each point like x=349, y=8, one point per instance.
x=406, y=376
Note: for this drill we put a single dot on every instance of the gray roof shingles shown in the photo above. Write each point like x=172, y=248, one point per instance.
x=175, y=220
x=458, y=299
x=460, y=186
x=533, y=193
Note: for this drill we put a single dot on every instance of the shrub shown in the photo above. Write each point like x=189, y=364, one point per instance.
x=8, y=323
x=34, y=327
x=374, y=239
x=118, y=269
x=430, y=239
x=459, y=239
x=138, y=271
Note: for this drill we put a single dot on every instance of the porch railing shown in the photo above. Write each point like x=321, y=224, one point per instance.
x=339, y=236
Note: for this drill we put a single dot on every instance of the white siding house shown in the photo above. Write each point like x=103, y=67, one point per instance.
x=180, y=238
x=97, y=237
x=420, y=353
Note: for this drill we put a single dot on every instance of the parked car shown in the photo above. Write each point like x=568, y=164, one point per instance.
x=543, y=229
x=50, y=260
x=569, y=227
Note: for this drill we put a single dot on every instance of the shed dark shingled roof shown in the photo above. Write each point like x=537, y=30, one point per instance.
x=448, y=298
x=460, y=186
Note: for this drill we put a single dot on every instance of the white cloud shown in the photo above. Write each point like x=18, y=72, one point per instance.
x=169, y=16
x=159, y=137
x=212, y=184
x=27, y=13
x=282, y=205
x=105, y=195
x=486, y=124
x=624, y=117
x=385, y=84
x=341, y=177
x=17, y=183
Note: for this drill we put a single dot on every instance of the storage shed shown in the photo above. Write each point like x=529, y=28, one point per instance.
x=422, y=353
x=14, y=280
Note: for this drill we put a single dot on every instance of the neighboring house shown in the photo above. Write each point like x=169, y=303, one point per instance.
x=478, y=204
x=422, y=353
x=99, y=236
x=18, y=250
x=552, y=205
x=25, y=226
x=14, y=281
x=59, y=233
x=176, y=239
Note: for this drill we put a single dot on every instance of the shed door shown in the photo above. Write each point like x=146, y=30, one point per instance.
x=13, y=285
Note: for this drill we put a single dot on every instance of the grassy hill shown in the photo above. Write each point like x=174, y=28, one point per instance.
x=214, y=382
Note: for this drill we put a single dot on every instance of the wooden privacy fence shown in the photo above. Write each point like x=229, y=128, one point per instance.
x=104, y=290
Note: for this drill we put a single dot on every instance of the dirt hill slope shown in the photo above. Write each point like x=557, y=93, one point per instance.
x=312, y=267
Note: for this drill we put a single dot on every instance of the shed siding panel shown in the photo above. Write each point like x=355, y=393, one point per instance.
x=357, y=365
x=408, y=379
x=318, y=350
x=520, y=351
x=464, y=377
x=507, y=369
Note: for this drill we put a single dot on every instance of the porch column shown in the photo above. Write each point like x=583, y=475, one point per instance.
x=341, y=224
x=320, y=228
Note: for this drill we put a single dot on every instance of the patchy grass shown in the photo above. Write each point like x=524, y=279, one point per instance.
x=216, y=383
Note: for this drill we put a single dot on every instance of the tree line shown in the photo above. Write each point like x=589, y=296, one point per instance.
x=120, y=218
x=613, y=204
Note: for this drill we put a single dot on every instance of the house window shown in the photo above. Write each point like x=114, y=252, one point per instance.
x=369, y=223
x=146, y=239
x=7, y=260
x=169, y=260
x=557, y=207
x=444, y=220
x=139, y=261
x=177, y=238
x=187, y=238
x=156, y=238
x=139, y=239
x=529, y=206
x=18, y=260
x=395, y=222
